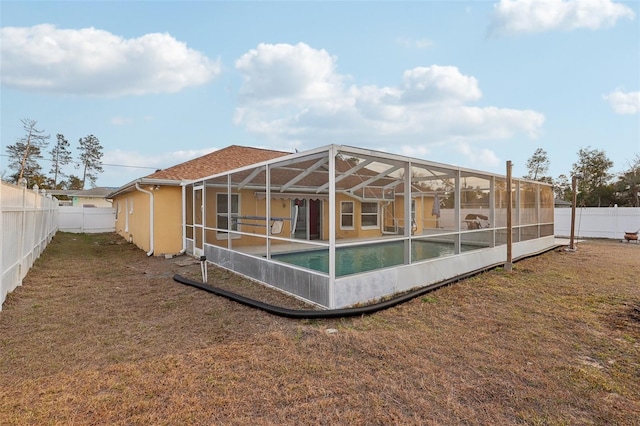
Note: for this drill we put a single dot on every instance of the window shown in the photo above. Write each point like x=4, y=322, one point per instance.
x=346, y=215
x=369, y=215
x=222, y=216
x=413, y=210
x=414, y=224
x=131, y=206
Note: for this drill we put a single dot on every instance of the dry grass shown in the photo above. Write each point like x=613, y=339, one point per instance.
x=101, y=334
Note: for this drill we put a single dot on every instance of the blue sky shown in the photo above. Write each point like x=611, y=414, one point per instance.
x=472, y=84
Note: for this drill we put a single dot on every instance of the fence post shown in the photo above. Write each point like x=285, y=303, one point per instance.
x=33, y=243
x=26, y=226
x=22, y=230
x=3, y=283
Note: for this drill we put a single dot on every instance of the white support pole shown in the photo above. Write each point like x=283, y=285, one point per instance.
x=456, y=208
x=333, y=152
x=508, y=266
x=408, y=223
x=268, y=209
x=492, y=208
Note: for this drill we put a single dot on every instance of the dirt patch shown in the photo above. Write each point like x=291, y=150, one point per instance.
x=101, y=334
x=626, y=318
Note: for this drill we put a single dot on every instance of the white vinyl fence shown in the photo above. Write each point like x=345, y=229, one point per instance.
x=28, y=222
x=78, y=219
x=598, y=222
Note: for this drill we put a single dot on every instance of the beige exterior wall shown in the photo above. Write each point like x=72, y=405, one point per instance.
x=250, y=205
x=133, y=216
x=357, y=230
x=168, y=220
x=133, y=219
x=93, y=201
x=424, y=218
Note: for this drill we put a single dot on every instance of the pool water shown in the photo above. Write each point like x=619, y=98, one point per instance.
x=356, y=259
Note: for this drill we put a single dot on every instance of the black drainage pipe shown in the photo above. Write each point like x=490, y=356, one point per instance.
x=337, y=313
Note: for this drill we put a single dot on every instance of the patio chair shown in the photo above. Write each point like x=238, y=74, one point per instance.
x=476, y=221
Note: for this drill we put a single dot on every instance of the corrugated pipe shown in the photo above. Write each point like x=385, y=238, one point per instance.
x=339, y=313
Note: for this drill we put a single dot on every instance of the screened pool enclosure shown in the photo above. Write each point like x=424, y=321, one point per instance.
x=339, y=226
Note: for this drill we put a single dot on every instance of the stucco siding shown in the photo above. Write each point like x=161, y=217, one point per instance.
x=92, y=201
x=132, y=218
x=167, y=220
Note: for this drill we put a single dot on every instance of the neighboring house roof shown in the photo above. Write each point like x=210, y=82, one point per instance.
x=97, y=192
x=561, y=203
x=222, y=160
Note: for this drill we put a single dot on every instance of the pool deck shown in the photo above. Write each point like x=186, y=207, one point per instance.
x=304, y=246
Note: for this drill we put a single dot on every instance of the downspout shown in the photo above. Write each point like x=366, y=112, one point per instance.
x=150, y=252
x=184, y=220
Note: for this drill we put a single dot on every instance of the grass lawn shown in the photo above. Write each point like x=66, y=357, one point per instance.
x=100, y=334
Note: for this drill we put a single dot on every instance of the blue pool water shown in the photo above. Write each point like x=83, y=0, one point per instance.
x=356, y=259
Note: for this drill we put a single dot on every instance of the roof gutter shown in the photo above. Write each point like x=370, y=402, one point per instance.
x=143, y=181
x=151, y=209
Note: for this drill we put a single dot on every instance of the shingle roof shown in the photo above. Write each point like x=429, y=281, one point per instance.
x=229, y=158
x=97, y=192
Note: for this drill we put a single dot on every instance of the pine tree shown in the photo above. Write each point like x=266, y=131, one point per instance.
x=60, y=156
x=90, y=158
x=538, y=165
x=74, y=182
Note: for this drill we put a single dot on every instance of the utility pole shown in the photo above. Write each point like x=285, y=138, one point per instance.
x=572, y=245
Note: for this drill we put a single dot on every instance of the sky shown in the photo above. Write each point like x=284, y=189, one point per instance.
x=472, y=84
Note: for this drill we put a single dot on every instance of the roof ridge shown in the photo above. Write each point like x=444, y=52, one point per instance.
x=216, y=152
x=227, y=158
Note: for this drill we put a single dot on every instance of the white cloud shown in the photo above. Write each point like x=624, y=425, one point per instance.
x=624, y=103
x=89, y=61
x=121, y=121
x=415, y=151
x=480, y=158
x=439, y=84
x=150, y=160
x=420, y=43
x=123, y=166
x=293, y=96
x=534, y=16
x=275, y=71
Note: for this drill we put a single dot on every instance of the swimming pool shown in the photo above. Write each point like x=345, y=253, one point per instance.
x=356, y=259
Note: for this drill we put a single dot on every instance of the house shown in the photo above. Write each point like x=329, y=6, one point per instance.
x=94, y=197
x=338, y=226
x=149, y=209
x=559, y=203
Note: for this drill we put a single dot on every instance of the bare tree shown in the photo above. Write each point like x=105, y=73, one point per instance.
x=24, y=154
